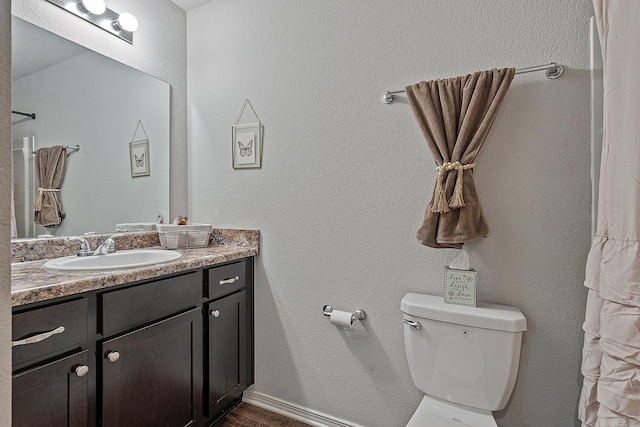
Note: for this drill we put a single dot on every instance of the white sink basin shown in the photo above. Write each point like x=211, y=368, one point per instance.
x=121, y=259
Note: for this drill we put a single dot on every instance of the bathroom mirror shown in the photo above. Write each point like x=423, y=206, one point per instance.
x=83, y=98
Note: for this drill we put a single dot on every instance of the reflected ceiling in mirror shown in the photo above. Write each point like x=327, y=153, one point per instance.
x=86, y=99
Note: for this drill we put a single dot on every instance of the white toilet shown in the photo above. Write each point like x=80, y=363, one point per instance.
x=465, y=359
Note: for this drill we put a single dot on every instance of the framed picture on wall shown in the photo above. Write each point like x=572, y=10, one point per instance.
x=139, y=157
x=246, y=145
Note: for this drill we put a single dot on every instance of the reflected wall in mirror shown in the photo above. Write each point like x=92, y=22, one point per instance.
x=86, y=99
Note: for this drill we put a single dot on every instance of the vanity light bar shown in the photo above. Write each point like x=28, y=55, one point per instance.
x=107, y=20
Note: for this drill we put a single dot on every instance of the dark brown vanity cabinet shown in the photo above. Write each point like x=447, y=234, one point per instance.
x=174, y=351
x=150, y=356
x=229, y=332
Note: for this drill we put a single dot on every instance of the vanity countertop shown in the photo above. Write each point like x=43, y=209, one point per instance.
x=31, y=282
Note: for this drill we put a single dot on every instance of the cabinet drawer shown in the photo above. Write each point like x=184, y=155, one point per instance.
x=67, y=320
x=126, y=308
x=226, y=279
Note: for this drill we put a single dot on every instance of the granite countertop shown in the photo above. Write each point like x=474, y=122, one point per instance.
x=31, y=282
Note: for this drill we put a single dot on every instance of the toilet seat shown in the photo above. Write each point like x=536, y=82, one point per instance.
x=433, y=412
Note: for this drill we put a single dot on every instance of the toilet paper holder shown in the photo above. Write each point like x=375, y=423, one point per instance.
x=356, y=315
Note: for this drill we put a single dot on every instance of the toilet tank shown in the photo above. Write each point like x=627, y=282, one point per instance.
x=465, y=355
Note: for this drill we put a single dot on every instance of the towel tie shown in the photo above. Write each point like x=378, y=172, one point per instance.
x=37, y=203
x=440, y=204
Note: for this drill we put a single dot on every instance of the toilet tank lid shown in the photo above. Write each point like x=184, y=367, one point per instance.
x=485, y=315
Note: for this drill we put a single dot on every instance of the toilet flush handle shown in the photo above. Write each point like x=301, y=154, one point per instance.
x=413, y=323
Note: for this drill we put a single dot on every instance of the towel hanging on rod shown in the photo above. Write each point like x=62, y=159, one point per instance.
x=552, y=71
x=455, y=116
x=50, y=165
x=72, y=148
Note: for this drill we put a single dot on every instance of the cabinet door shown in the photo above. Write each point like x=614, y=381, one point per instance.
x=227, y=350
x=52, y=395
x=152, y=377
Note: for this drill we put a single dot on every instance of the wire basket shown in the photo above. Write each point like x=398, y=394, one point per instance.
x=184, y=236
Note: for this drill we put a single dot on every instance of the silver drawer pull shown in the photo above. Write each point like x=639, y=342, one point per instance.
x=412, y=323
x=229, y=281
x=37, y=338
x=215, y=313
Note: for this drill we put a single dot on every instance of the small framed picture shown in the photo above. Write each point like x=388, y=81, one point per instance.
x=246, y=142
x=139, y=156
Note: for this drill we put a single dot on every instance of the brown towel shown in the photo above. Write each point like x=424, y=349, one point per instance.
x=50, y=165
x=455, y=116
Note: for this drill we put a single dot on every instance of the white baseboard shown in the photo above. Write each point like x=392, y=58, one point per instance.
x=291, y=410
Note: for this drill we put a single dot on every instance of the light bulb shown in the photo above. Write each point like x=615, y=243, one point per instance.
x=97, y=7
x=127, y=22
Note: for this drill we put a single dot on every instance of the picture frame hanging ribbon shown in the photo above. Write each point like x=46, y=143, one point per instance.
x=246, y=141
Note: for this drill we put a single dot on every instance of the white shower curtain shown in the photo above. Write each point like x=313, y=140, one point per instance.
x=14, y=226
x=611, y=354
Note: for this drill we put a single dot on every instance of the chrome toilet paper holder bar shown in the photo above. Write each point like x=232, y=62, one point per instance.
x=356, y=315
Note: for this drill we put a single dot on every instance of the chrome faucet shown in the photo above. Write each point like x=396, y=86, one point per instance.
x=85, y=249
x=107, y=247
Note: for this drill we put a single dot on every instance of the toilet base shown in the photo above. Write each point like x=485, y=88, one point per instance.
x=433, y=412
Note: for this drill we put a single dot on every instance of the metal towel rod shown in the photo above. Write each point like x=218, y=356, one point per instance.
x=73, y=148
x=32, y=115
x=552, y=71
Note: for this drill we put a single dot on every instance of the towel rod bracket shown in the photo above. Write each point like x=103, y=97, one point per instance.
x=388, y=98
x=554, y=73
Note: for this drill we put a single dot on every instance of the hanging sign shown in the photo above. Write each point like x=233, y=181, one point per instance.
x=139, y=154
x=246, y=141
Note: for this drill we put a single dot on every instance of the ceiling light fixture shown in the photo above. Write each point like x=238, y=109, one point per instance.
x=95, y=11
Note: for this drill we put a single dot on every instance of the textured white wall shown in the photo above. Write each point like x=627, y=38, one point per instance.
x=5, y=199
x=158, y=49
x=346, y=180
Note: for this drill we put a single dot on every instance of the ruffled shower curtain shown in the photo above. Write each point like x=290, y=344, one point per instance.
x=611, y=354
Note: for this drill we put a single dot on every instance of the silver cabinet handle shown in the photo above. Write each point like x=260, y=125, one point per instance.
x=82, y=370
x=113, y=356
x=37, y=338
x=412, y=323
x=215, y=313
x=229, y=281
